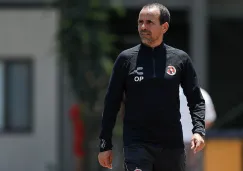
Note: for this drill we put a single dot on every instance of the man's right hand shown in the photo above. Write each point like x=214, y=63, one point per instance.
x=105, y=159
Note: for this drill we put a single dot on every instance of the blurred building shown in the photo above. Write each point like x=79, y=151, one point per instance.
x=28, y=86
x=35, y=129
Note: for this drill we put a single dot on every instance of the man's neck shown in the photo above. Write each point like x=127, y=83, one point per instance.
x=154, y=45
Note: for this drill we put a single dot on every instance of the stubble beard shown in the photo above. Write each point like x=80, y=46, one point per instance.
x=148, y=41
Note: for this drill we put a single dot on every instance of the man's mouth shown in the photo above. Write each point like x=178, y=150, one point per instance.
x=145, y=34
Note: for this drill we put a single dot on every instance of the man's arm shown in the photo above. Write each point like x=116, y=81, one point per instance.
x=191, y=89
x=112, y=102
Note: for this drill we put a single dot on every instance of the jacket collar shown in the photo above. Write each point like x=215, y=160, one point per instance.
x=159, y=47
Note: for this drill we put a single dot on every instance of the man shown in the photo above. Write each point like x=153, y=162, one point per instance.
x=150, y=74
x=194, y=163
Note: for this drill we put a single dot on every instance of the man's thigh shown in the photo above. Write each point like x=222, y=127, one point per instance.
x=170, y=160
x=137, y=158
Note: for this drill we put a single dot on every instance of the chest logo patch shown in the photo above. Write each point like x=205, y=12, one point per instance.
x=171, y=70
x=139, y=73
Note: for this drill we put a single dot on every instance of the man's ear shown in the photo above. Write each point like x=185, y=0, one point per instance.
x=165, y=27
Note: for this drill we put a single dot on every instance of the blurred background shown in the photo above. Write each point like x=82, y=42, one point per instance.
x=58, y=54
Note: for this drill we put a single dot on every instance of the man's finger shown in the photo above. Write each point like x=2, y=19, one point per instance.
x=106, y=163
x=192, y=144
x=102, y=163
x=201, y=146
x=198, y=146
x=110, y=162
x=109, y=166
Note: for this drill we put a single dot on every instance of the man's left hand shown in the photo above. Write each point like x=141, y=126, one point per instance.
x=197, y=143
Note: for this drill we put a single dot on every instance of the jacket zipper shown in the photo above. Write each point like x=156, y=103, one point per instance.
x=154, y=73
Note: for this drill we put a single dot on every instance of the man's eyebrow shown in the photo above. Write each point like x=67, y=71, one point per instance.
x=151, y=20
x=146, y=20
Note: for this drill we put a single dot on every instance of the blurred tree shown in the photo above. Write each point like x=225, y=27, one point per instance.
x=85, y=43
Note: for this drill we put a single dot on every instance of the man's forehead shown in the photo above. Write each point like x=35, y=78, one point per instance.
x=149, y=13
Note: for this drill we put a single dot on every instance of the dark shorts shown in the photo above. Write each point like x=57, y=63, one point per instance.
x=143, y=157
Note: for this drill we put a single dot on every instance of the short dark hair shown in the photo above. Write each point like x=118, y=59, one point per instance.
x=164, y=12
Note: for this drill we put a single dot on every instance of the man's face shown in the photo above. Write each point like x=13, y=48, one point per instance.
x=150, y=30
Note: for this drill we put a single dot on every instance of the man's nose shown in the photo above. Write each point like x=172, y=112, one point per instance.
x=143, y=26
